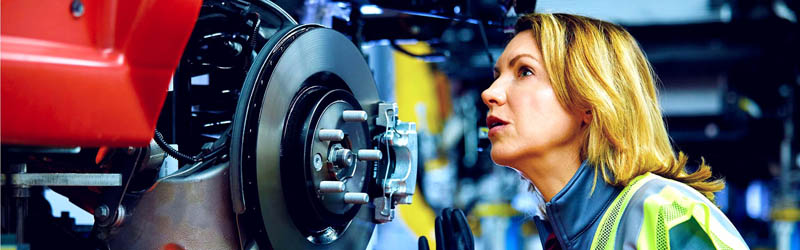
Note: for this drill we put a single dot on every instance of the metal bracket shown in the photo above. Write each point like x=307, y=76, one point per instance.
x=63, y=179
x=397, y=176
x=127, y=161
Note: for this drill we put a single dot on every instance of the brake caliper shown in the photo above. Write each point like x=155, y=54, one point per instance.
x=397, y=173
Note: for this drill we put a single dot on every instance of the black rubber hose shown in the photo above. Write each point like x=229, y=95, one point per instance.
x=184, y=157
x=171, y=151
x=212, y=154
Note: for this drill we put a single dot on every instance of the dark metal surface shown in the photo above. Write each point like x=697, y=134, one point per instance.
x=322, y=217
x=303, y=52
x=191, y=211
x=225, y=40
x=356, y=137
x=246, y=109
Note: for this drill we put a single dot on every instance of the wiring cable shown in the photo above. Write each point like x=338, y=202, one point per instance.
x=159, y=138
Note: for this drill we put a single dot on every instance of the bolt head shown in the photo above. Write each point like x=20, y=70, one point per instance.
x=101, y=212
x=317, y=162
x=77, y=8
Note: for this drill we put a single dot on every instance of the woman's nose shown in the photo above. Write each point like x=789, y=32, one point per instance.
x=493, y=95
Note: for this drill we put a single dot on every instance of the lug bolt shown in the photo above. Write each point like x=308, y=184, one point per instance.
x=354, y=116
x=331, y=186
x=330, y=135
x=369, y=155
x=356, y=198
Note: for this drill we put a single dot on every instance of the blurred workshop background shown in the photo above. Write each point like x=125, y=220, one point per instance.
x=729, y=91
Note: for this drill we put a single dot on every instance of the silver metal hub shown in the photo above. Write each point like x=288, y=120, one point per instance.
x=339, y=161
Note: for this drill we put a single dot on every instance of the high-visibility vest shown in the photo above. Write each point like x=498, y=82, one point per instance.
x=645, y=211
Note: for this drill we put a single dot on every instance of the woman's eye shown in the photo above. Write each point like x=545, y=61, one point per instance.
x=525, y=71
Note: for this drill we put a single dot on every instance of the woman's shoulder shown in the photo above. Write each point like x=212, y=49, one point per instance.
x=653, y=212
x=666, y=208
x=657, y=190
x=654, y=195
x=653, y=184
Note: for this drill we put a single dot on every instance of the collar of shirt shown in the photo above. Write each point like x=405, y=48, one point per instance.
x=575, y=211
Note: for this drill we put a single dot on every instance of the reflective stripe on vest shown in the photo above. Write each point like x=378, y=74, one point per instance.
x=662, y=210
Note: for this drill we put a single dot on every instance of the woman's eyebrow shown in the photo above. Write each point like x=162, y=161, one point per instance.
x=517, y=57
x=511, y=62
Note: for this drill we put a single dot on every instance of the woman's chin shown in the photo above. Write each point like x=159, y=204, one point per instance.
x=501, y=158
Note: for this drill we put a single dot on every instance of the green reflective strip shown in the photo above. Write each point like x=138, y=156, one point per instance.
x=670, y=208
x=607, y=230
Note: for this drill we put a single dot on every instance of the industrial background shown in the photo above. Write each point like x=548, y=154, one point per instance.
x=729, y=87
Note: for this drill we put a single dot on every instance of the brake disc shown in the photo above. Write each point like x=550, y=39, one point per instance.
x=297, y=181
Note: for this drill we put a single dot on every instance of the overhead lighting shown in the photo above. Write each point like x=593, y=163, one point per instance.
x=371, y=10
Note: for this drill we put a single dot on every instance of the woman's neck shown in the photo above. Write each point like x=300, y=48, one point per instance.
x=550, y=172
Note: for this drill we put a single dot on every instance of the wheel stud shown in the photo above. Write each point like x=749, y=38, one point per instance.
x=369, y=155
x=354, y=116
x=331, y=135
x=331, y=186
x=356, y=198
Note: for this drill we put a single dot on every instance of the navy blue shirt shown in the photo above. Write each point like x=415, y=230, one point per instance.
x=574, y=213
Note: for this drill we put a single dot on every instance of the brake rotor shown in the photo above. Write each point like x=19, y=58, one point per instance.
x=299, y=85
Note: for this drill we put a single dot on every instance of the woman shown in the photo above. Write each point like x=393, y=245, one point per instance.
x=573, y=108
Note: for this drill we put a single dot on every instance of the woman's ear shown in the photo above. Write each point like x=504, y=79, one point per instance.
x=586, y=117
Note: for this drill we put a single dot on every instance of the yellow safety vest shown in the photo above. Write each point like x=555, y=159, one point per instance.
x=659, y=210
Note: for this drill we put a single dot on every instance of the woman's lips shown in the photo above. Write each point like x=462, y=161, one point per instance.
x=496, y=129
x=495, y=124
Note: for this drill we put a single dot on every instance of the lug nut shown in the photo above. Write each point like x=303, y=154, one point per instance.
x=356, y=198
x=344, y=158
x=331, y=186
x=354, y=116
x=369, y=155
x=330, y=135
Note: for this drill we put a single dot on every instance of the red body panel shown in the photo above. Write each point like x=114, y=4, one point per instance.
x=96, y=80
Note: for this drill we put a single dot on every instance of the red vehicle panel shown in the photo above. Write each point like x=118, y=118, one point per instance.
x=99, y=79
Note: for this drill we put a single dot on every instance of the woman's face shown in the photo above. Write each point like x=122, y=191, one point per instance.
x=525, y=118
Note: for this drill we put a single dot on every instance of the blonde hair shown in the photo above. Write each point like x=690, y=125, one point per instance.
x=598, y=66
